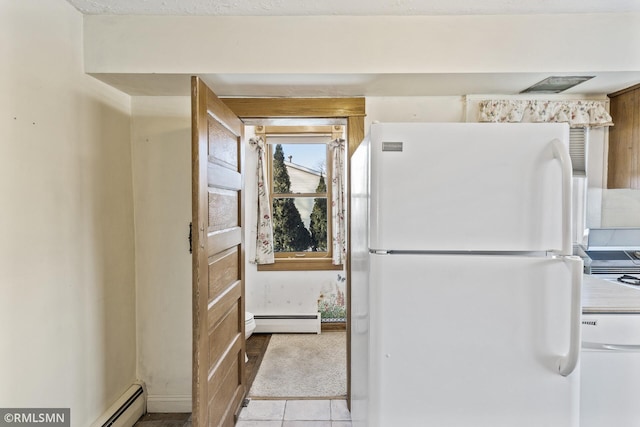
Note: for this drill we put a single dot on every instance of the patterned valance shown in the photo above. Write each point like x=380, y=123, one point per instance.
x=576, y=113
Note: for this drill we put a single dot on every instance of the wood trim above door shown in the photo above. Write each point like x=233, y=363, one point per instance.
x=296, y=107
x=352, y=109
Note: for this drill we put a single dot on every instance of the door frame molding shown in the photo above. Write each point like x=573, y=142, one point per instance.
x=351, y=109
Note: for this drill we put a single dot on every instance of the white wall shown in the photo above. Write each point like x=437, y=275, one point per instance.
x=621, y=208
x=66, y=220
x=607, y=208
x=161, y=138
x=414, y=109
x=597, y=175
x=368, y=44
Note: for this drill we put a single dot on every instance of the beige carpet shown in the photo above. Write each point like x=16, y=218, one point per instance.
x=303, y=365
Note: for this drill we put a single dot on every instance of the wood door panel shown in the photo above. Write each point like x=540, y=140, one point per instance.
x=224, y=334
x=635, y=143
x=219, y=111
x=226, y=325
x=624, y=139
x=620, y=142
x=223, y=240
x=228, y=366
x=223, y=209
x=223, y=145
x=227, y=385
x=218, y=261
x=224, y=270
x=221, y=304
x=222, y=177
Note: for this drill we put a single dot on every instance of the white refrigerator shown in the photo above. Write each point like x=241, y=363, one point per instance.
x=465, y=294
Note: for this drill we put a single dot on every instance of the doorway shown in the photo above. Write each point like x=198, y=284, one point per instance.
x=303, y=289
x=350, y=110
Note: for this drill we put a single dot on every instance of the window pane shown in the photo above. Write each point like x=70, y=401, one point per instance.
x=299, y=168
x=300, y=224
x=318, y=225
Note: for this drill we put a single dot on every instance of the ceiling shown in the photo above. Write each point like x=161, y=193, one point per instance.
x=355, y=84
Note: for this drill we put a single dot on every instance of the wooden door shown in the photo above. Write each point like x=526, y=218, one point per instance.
x=218, y=260
x=624, y=139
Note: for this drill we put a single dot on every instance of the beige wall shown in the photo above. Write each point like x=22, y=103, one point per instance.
x=161, y=138
x=414, y=109
x=620, y=208
x=66, y=220
x=366, y=44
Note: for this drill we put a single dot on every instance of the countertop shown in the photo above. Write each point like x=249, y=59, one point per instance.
x=601, y=296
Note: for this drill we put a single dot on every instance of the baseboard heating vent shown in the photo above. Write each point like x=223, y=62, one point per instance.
x=288, y=323
x=126, y=411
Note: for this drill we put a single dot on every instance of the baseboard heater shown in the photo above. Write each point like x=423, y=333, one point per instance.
x=287, y=323
x=126, y=411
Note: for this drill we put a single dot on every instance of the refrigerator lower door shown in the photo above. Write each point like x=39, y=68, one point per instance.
x=460, y=340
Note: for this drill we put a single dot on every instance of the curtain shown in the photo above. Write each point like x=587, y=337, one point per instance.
x=576, y=113
x=262, y=251
x=338, y=200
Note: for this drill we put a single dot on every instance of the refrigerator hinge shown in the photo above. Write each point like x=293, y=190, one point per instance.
x=379, y=252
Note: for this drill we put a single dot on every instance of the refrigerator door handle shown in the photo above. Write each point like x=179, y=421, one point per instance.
x=568, y=363
x=560, y=153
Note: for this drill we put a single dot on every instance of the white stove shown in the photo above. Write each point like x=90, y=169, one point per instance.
x=610, y=370
x=610, y=375
x=613, y=251
x=611, y=262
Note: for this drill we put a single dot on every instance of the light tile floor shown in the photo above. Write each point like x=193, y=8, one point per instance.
x=295, y=413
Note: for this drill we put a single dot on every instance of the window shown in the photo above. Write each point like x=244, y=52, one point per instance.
x=299, y=163
x=263, y=111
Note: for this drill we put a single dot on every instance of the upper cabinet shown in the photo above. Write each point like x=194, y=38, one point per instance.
x=624, y=139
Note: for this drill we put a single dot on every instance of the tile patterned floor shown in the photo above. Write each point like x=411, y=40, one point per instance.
x=295, y=413
x=270, y=413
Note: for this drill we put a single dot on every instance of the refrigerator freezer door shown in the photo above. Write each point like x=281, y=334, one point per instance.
x=468, y=187
x=462, y=341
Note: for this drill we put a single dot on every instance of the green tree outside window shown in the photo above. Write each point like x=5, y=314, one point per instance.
x=289, y=232
x=318, y=224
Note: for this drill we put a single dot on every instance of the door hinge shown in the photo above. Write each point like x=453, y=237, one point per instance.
x=190, y=238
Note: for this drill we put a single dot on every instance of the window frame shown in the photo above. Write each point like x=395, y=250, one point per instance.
x=303, y=260
x=351, y=109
